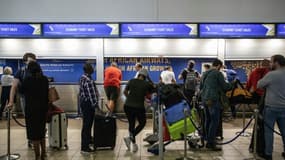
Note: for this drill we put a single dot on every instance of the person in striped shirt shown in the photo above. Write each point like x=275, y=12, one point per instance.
x=88, y=102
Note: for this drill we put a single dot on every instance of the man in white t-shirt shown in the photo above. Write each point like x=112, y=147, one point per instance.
x=167, y=76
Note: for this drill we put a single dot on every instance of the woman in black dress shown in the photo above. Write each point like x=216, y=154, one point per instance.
x=35, y=88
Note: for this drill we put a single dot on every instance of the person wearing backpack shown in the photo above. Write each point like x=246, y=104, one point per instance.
x=191, y=79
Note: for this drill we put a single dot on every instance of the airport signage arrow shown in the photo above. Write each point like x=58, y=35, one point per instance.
x=236, y=30
x=80, y=30
x=20, y=30
x=158, y=30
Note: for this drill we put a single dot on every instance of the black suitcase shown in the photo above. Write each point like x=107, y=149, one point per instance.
x=105, y=132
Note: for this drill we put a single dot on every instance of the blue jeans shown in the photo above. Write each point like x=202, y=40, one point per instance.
x=272, y=115
x=212, y=121
x=88, y=113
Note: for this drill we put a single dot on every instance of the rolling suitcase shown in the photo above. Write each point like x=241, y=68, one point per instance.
x=57, y=131
x=105, y=132
x=175, y=112
x=176, y=130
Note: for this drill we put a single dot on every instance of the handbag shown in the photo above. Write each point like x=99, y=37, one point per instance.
x=53, y=95
x=52, y=110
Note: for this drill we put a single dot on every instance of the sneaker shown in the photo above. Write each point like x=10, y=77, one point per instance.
x=127, y=142
x=135, y=147
x=86, y=151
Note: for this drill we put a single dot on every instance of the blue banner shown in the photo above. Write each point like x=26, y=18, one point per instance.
x=13, y=63
x=236, y=30
x=154, y=66
x=20, y=30
x=158, y=30
x=81, y=30
x=281, y=30
x=65, y=71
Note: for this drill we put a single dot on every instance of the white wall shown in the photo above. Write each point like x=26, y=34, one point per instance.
x=253, y=48
x=49, y=48
x=142, y=10
x=130, y=47
x=160, y=47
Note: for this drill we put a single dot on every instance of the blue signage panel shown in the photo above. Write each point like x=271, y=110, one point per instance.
x=64, y=71
x=154, y=66
x=236, y=30
x=281, y=30
x=13, y=63
x=80, y=30
x=20, y=30
x=158, y=30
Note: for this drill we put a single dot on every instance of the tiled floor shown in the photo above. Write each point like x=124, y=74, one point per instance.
x=236, y=150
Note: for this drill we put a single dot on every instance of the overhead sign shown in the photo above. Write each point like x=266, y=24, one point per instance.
x=281, y=30
x=158, y=30
x=81, y=30
x=20, y=30
x=236, y=30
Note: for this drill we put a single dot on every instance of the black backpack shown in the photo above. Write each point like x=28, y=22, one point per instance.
x=170, y=94
x=190, y=80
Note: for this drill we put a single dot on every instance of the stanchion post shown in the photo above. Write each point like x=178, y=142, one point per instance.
x=255, y=132
x=186, y=114
x=160, y=133
x=244, y=134
x=9, y=156
x=256, y=113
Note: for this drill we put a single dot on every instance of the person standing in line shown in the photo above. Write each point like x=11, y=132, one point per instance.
x=35, y=89
x=112, y=80
x=212, y=86
x=17, y=83
x=274, y=111
x=135, y=93
x=254, y=77
x=191, y=79
x=138, y=68
x=167, y=76
x=6, y=83
x=206, y=67
x=88, y=102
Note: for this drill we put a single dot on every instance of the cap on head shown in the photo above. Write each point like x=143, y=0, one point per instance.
x=114, y=64
x=143, y=72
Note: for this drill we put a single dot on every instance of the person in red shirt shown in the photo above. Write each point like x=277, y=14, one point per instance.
x=254, y=77
x=112, y=80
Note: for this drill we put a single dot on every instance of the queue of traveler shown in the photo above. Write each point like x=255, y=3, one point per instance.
x=33, y=88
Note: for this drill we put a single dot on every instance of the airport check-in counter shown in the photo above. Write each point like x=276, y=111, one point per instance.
x=69, y=97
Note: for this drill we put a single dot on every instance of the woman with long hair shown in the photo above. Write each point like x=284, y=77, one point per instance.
x=35, y=89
